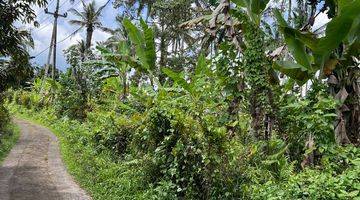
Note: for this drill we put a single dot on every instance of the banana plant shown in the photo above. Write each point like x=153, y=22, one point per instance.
x=313, y=54
x=201, y=71
x=144, y=45
x=115, y=64
x=334, y=55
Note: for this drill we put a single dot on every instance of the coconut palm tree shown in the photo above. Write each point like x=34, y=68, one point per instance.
x=89, y=18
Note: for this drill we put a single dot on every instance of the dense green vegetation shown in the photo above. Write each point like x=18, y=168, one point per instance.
x=119, y=157
x=233, y=99
x=9, y=133
x=8, y=138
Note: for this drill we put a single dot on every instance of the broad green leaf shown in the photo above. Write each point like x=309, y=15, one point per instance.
x=253, y=7
x=354, y=33
x=339, y=27
x=280, y=18
x=149, y=45
x=123, y=48
x=297, y=48
x=258, y=6
x=177, y=78
x=102, y=49
x=293, y=70
x=131, y=61
x=296, y=41
x=343, y=3
x=308, y=38
x=201, y=65
x=289, y=84
x=138, y=41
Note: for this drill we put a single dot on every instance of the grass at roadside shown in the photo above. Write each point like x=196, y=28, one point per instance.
x=8, y=140
x=102, y=176
x=109, y=177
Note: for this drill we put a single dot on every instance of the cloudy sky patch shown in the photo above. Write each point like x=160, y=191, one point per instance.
x=42, y=34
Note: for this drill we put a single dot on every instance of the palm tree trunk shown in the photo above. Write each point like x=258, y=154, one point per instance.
x=163, y=55
x=289, y=12
x=89, y=33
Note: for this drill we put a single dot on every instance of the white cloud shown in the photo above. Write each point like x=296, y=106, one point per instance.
x=320, y=20
x=100, y=2
x=100, y=36
x=42, y=35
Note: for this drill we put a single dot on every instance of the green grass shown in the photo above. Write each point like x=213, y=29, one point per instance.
x=102, y=176
x=8, y=140
x=66, y=150
x=106, y=177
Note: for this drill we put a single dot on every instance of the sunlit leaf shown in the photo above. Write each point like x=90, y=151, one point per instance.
x=177, y=78
x=138, y=41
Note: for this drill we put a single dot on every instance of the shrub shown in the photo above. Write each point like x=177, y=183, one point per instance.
x=301, y=117
x=327, y=183
x=4, y=116
x=70, y=101
x=188, y=145
x=176, y=144
x=111, y=131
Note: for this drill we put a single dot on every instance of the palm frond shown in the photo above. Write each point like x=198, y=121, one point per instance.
x=76, y=31
x=77, y=22
x=98, y=12
x=105, y=29
x=77, y=13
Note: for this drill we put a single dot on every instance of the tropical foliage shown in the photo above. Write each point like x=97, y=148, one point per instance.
x=240, y=99
x=89, y=19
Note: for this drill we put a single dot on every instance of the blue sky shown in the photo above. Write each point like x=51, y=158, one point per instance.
x=42, y=34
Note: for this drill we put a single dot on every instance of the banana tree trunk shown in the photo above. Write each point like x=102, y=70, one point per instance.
x=347, y=90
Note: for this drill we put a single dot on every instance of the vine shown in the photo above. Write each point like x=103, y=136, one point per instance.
x=256, y=68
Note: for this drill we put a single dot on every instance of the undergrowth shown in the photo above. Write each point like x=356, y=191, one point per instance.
x=108, y=174
x=8, y=138
x=99, y=173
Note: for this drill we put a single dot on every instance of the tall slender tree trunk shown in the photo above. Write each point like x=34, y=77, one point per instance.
x=89, y=33
x=289, y=11
x=163, y=55
x=124, y=80
x=256, y=76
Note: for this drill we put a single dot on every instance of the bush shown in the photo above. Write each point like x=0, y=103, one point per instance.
x=111, y=131
x=301, y=118
x=70, y=101
x=327, y=183
x=4, y=116
x=176, y=144
x=188, y=145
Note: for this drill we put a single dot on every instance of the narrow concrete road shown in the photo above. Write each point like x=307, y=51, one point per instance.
x=34, y=170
